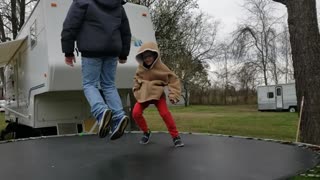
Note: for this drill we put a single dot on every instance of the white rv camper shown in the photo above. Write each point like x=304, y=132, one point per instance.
x=277, y=97
x=41, y=91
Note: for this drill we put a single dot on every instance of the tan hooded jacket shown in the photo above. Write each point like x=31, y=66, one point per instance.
x=149, y=83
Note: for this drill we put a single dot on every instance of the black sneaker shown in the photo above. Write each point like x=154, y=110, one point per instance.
x=104, y=123
x=118, y=126
x=145, y=138
x=177, y=142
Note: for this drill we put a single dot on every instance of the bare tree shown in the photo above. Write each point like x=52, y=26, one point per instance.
x=3, y=37
x=305, y=45
x=12, y=17
x=257, y=36
x=273, y=58
x=198, y=47
x=193, y=74
x=167, y=16
x=285, y=54
x=246, y=78
x=4, y=20
x=198, y=35
x=224, y=59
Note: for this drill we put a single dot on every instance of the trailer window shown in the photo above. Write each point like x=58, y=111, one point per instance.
x=278, y=91
x=33, y=34
x=270, y=95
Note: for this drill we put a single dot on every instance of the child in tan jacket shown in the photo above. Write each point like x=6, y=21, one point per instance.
x=149, y=82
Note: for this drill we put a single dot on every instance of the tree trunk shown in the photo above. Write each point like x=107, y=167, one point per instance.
x=305, y=43
x=14, y=19
x=186, y=101
x=22, y=5
x=2, y=33
x=264, y=65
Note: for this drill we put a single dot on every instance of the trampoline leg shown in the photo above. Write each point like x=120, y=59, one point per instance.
x=128, y=102
x=133, y=125
x=93, y=127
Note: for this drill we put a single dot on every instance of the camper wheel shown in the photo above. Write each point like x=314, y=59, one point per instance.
x=292, y=109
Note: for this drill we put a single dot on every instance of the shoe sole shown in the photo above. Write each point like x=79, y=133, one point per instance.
x=180, y=145
x=104, y=130
x=120, y=131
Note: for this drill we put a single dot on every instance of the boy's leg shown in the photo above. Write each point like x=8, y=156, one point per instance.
x=91, y=68
x=108, y=86
x=167, y=117
x=164, y=112
x=119, y=119
x=137, y=114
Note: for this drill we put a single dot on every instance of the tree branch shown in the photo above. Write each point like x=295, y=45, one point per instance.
x=284, y=2
x=31, y=1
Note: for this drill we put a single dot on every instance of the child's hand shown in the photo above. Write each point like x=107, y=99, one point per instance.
x=134, y=89
x=173, y=101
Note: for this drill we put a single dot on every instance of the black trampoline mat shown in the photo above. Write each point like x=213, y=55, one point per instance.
x=204, y=157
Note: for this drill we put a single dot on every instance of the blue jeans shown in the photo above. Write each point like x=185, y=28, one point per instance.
x=101, y=72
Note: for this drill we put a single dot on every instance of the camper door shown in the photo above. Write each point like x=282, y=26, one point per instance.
x=279, y=97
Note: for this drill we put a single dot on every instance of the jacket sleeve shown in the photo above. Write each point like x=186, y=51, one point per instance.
x=125, y=36
x=174, y=87
x=72, y=25
x=136, y=82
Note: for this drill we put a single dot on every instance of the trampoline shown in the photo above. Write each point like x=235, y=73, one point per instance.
x=204, y=157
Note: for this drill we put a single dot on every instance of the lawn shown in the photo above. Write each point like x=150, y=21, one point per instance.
x=230, y=120
x=2, y=122
x=240, y=120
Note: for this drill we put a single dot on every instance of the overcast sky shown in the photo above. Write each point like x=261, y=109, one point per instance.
x=229, y=12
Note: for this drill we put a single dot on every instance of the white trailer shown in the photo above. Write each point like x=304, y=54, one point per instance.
x=277, y=97
x=41, y=91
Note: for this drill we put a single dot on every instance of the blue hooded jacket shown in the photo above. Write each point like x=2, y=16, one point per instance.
x=100, y=28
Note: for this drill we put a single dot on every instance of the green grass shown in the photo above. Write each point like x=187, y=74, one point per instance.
x=2, y=122
x=230, y=120
x=241, y=120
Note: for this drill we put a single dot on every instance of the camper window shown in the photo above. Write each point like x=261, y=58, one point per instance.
x=270, y=95
x=278, y=91
x=33, y=34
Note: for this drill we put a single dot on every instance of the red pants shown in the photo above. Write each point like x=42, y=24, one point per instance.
x=162, y=107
